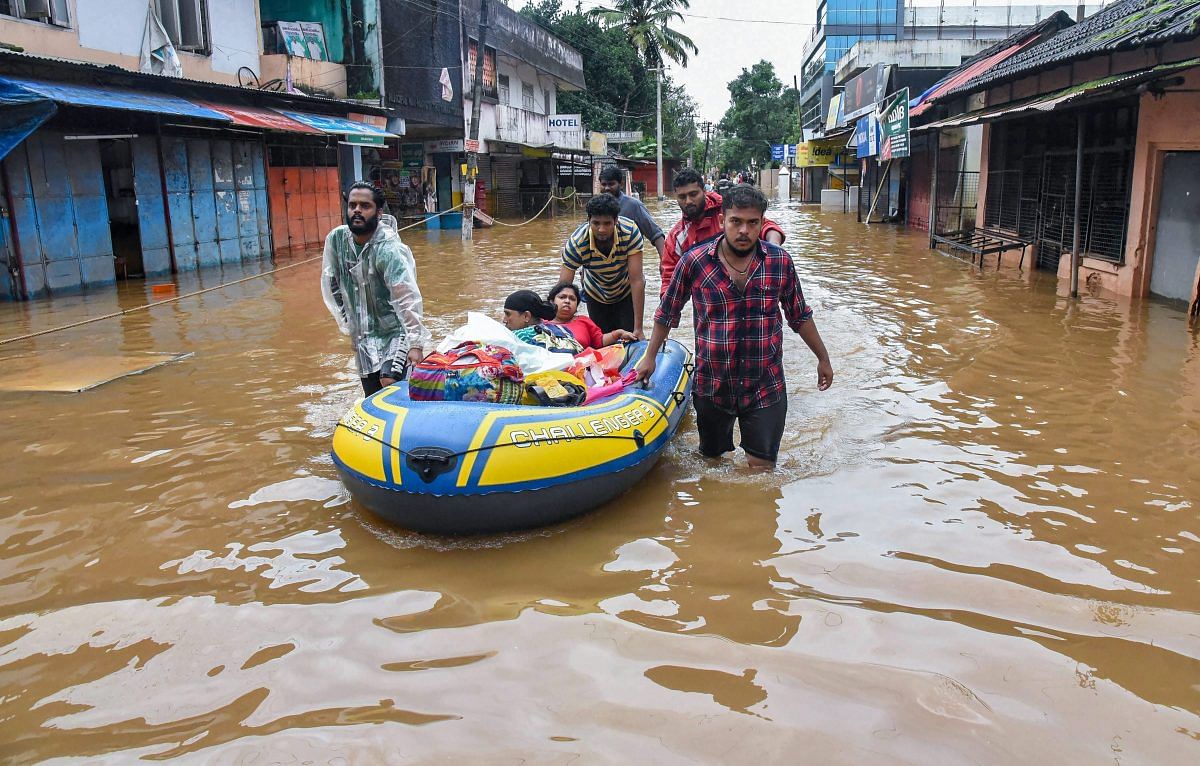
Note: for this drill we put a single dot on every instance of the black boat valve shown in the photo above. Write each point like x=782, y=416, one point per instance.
x=431, y=462
x=639, y=439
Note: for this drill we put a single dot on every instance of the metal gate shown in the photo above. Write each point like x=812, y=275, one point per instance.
x=305, y=194
x=506, y=184
x=217, y=197
x=1104, y=205
x=61, y=213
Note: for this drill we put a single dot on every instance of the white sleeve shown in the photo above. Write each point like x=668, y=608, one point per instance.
x=405, y=298
x=330, y=289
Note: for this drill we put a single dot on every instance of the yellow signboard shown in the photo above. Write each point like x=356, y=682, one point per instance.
x=803, y=155
x=835, y=112
x=598, y=143
x=818, y=153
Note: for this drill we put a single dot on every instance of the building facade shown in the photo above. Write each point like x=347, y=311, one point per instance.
x=145, y=140
x=841, y=24
x=429, y=82
x=1090, y=145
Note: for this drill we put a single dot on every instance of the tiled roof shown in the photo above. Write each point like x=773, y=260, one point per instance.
x=990, y=58
x=1121, y=26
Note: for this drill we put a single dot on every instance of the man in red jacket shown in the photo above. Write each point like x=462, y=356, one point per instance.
x=701, y=222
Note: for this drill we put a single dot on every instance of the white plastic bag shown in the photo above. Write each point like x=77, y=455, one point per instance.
x=484, y=329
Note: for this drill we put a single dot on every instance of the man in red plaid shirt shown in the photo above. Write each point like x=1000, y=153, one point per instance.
x=738, y=285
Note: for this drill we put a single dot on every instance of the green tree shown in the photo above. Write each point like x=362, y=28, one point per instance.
x=646, y=24
x=620, y=92
x=761, y=112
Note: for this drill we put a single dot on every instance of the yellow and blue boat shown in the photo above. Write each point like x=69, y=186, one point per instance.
x=464, y=468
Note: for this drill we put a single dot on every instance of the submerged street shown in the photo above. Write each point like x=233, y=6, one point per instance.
x=980, y=545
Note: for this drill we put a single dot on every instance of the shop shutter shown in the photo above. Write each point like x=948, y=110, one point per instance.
x=505, y=190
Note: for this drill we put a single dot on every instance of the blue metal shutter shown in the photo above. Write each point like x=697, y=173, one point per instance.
x=152, y=223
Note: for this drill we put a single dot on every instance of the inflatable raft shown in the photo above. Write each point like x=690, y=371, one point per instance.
x=468, y=468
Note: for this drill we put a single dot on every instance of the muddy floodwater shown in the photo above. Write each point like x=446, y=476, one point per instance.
x=982, y=545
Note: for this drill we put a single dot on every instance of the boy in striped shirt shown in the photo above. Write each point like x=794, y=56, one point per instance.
x=608, y=249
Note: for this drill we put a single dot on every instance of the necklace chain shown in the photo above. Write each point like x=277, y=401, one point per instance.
x=735, y=268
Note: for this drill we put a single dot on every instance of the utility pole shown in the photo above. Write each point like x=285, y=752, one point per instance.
x=468, y=224
x=707, y=126
x=658, y=92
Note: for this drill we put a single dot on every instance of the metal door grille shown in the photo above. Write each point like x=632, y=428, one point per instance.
x=1058, y=182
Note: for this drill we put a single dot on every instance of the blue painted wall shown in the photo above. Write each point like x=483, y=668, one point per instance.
x=216, y=192
x=61, y=214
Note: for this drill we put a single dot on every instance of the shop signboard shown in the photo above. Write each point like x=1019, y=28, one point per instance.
x=862, y=93
x=564, y=123
x=597, y=143
x=624, y=136
x=819, y=153
x=412, y=155
x=835, y=116
x=360, y=139
x=448, y=145
x=866, y=136
x=893, y=122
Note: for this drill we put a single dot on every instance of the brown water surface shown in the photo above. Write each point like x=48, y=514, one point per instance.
x=981, y=545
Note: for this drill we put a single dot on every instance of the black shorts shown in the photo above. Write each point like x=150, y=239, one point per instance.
x=612, y=316
x=371, y=383
x=762, y=428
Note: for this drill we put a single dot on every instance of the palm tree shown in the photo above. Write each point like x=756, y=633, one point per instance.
x=645, y=23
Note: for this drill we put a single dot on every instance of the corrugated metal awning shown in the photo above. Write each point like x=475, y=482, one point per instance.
x=338, y=126
x=263, y=119
x=1107, y=86
x=74, y=94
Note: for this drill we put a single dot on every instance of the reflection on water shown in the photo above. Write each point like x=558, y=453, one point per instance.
x=980, y=545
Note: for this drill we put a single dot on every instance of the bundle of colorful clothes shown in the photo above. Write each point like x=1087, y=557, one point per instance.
x=542, y=364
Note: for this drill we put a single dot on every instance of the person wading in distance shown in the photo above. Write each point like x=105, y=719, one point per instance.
x=739, y=285
x=699, y=222
x=612, y=181
x=369, y=283
x=608, y=249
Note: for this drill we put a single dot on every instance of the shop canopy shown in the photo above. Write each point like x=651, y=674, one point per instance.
x=338, y=126
x=26, y=103
x=263, y=119
x=74, y=94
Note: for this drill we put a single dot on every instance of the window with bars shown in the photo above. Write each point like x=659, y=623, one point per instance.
x=186, y=22
x=527, y=96
x=1031, y=182
x=503, y=86
x=54, y=12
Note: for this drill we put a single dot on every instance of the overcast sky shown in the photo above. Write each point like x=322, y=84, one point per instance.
x=727, y=47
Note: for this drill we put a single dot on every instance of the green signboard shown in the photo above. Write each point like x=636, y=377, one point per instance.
x=412, y=155
x=358, y=138
x=893, y=123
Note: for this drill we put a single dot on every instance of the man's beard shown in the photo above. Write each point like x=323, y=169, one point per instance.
x=738, y=252
x=605, y=244
x=693, y=213
x=614, y=192
x=363, y=225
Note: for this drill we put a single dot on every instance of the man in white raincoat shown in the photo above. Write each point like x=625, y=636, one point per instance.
x=369, y=282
